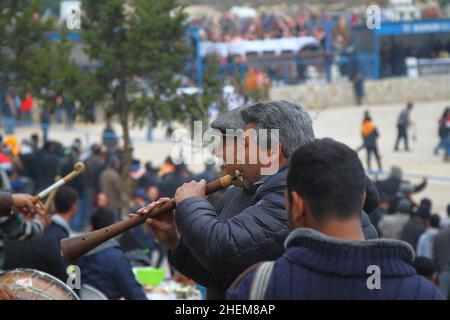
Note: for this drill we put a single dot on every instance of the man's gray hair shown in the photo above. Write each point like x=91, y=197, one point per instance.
x=291, y=119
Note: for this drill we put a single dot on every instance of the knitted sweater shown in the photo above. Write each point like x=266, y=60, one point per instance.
x=316, y=266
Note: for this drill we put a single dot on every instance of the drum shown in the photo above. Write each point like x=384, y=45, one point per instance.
x=29, y=284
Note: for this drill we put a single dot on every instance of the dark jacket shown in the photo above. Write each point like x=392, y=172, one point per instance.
x=389, y=188
x=107, y=269
x=441, y=248
x=412, y=231
x=218, y=245
x=39, y=253
x=316, y=266
x=169, y=184
x=227, y=247
x=56, y=232
x=370, y=141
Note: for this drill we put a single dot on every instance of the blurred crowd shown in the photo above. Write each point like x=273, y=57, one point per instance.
x=400, y=216
x=265, y=25
x=95, y=199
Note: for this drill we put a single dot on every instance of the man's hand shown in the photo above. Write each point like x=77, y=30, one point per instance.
x=191, y=189
x=23, y=203
x=165, y=231
x=42, y=217
x=6, y=293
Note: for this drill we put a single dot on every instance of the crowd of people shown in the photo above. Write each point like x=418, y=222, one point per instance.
x=229, y=27
x=316, y=238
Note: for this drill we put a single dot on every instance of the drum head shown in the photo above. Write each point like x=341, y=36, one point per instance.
x=29, y=284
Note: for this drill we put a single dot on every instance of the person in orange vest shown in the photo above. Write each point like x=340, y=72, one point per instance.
x=369, y=133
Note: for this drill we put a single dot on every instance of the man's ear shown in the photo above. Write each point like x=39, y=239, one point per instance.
x=298, y=206
x=364, y=199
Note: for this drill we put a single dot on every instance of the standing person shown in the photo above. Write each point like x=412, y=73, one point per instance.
x=109, y=137
x=403, y=122
x=45, y=123
x=9, y=112
x=111, y=185
x=59, y=109
x=26, y=108
x=370, y=135
x=442, y=130
x=446, y=136
x=327, y=256
x=358, y=88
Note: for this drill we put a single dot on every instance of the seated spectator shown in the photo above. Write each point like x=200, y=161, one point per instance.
x=106, y=267
x=445, y=222
x=326, y=254
x=426, y=240
x=138, y=200
x=66, y=208
x=152, y=193
x=415, y=227
x=441, y=248
x=391, y=225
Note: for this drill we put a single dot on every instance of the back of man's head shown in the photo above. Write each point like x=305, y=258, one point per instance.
x=448, y=210
x=425, y=267
x=435, y=221
x=291, y=119
x=426, y=204
x=330, y=178
x=102, y=217
x=65, y=198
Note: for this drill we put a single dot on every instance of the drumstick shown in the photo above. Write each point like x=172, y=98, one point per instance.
x=51, y=196
x=77, y=169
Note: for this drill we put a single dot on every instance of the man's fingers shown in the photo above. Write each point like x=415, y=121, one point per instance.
x=163, y=200
x=159, y=225
x=148, y=208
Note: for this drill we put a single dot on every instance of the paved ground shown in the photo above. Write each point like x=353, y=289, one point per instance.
x=339, y=123
x=343, y=124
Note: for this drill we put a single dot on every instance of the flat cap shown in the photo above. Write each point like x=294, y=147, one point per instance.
x=230, y=120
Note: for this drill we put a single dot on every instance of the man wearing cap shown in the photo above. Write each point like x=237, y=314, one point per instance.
x=214, y=245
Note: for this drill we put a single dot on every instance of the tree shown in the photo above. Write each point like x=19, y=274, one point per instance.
x=52, y=70
x=137, y=42
x=22, y=31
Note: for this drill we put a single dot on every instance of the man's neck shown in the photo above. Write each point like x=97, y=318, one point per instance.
x=64, y=216
x=349, y=229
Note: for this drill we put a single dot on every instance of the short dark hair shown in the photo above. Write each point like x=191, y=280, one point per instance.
x=435, y=221
x=330, y=176
x=103, y=217
x=424, y=266
x=65, y=198
x=448, y=209
x=426, y=204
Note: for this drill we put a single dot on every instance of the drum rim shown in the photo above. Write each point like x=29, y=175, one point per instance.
x=46, y=275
